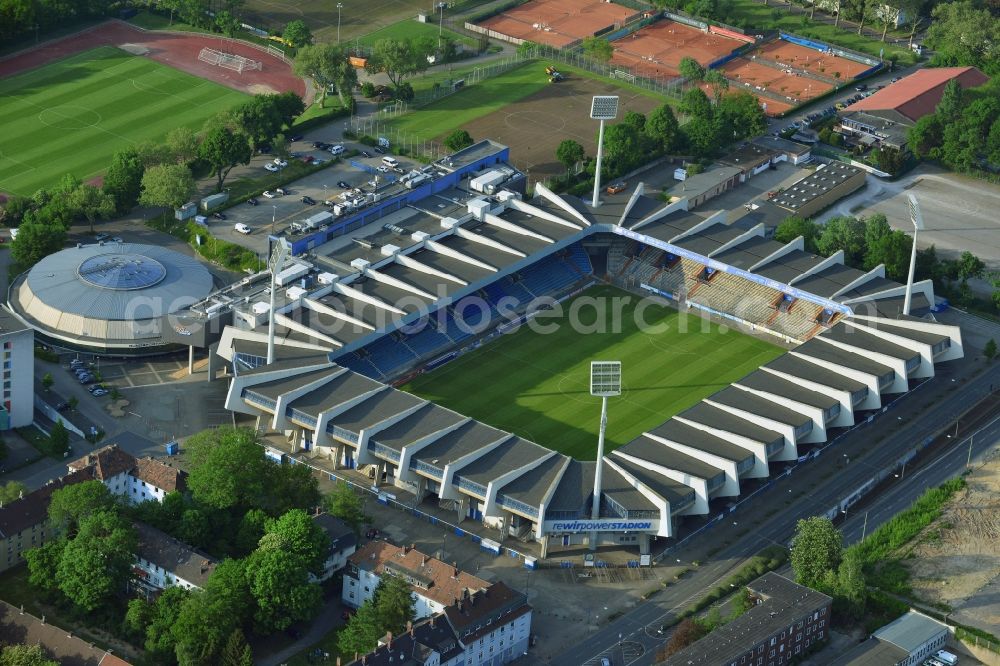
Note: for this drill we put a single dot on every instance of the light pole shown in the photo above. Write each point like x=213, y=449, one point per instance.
x=968, y=459
x=278, y=255
x=274, y=214
x=902, y=473
x=605, y=382
x=918, y=224
x=602, y=107
x=441, y=6
x=864, y=528
x=340, y=6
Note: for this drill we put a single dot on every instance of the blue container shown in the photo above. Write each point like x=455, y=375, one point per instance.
x=172, y=448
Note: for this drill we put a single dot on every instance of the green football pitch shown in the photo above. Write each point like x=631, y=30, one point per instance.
x=72, y=115
x=536, y=384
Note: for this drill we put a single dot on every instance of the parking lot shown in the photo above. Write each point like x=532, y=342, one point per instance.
x=275, y=215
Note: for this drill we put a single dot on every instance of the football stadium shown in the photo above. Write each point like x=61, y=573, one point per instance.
x=439, y=342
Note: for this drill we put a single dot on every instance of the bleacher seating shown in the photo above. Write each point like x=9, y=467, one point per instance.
x=548, y=276
x=515, y=289
x=362, y=366
x=388, y=354
x=429, y=340
x=578, y=259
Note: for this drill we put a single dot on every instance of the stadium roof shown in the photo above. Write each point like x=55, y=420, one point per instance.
x=531, y=487
x=426, y=421
x=118, y=281
x=917, y=94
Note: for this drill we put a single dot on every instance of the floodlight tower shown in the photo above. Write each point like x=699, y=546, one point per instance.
x=276, y=263
x=605, y=382
x=917, y=220
x=602, y=107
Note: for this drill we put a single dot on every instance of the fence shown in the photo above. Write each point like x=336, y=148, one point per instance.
x=823, y=47
x=673, y=88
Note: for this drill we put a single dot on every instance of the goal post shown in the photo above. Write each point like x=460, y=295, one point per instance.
x=231, y=61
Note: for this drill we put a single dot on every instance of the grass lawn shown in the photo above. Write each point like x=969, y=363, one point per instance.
x=487, y=96
x=770, y=17
x=413, y=29
x=536, y=385
x=70, y=116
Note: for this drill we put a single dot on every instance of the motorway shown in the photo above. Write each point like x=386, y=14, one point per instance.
x=632, y=640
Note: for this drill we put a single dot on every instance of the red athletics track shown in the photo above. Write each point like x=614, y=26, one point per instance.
x=177, y=50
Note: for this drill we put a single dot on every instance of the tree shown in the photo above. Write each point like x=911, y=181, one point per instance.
x=344, y=503
x=793, y=227
x=598, y=48
x=160, y=642
x=96, y=564
x=43, y=565
x=691, y=69
x=741, y=603
x=990, y=349
x=622, y=147
x=227, y=587
x=297, y=535
x=281, y=586
x=228, y=468
x=851, y=586
x=257, y=120
x=327, y=64
x=279, y=146
x=362, y=632
x=697, y=105
x=817, y=548
x=394, y=604
x=843, y=233
x=889, y=159
x=237, y=652
x=860, y=11
x=740, y=115
x=73, y=401
x=123, y=179
x=201, y=630
x=719, y=84
x=138, y=617
x=25, y=655
x=397, y=59
x=686, y=633
x=876, y=228
x=892, y=250
x=250, y=531
x=288, y=106
x=48, y=380
x=71, y=504
x=297, y=33
x=168, y=185
x=569, y=153
x=223, y=149
x=926, y=136
x=92, y=203
x=11, y=491
x=701, y=135
x=182, y=143
x=293, y=487
x=952, y=103
x=527, y=49
x=662, y=127
x=227, y=23
x=963, y=34
x=458, y=140
x=635, y=120
x=58, y=439
x=35, y=241
x=970, y=266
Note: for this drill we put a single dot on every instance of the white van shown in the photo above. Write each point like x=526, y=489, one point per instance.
x=390, y=162
x=242, y=228
x=336, y=150
x=946, y=657
x=13, y=234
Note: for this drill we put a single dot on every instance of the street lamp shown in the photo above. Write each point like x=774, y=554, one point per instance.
x=917, y=220
x=441, y=6
x=340, y=6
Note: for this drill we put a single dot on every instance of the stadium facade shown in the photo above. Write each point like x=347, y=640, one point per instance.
x=431, y=283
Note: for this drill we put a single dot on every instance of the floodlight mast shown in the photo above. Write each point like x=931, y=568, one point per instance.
x=605, y=382
x=602, y=107
x=277, y=261
x=917, y=220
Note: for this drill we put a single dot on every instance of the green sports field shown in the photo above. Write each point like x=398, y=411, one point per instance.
x=536, y=385
x=70, y=116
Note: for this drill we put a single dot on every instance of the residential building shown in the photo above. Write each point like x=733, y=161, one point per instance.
x=489, y=627
x=163, y=561
x=17, y=346
x=435, y=584
x=24, y=523
x=20, y=628
x=786, y=620
x=136, y=479
x=343, y=543
x=906, y=641
x=885, y=116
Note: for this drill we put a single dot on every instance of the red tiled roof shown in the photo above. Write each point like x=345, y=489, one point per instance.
x=108, y=462
x=33, y=508
x=917, y=95
x=160, y=474
x=20, y=628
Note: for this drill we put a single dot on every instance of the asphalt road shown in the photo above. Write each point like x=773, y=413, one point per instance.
x=632, y=640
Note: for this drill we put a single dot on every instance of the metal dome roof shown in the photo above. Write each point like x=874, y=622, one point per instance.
x=119, y=281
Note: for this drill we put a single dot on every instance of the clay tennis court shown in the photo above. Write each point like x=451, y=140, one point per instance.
x=178, y=50
x=753, y=75
x=534, y=126
x=558, y=22
x=656, y=50
x=801, y=57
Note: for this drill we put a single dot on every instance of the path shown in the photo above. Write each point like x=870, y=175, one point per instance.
x=327, y=618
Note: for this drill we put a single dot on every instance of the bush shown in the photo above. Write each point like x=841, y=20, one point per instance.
x=368, y=89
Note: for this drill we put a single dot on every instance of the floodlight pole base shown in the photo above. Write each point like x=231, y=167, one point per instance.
x=909, y=281
x=595, y=507
x=595, y=200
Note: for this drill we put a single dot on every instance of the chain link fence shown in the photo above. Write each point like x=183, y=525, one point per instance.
x=673, y=88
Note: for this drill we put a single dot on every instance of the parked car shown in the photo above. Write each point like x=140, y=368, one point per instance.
x=100, y=392
x=319, y=145
x=336, y=150
x=268, y=194
x=282, y=191
x=308, y=159
x=88, y=379
x=365, y=153
x=241, y=228
x=309, y=201
x=343, y=184
x=297, y=137
x=894, y=80
x=101, y=237
x=615, y=188
x=861, y=88
x=382, y=168
x=252, y=201
x=62, y=406
x=379, y=149
x=219, y=216
x=279, y=162
x=272, y=167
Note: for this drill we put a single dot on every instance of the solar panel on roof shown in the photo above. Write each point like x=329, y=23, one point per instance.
x=121, y=271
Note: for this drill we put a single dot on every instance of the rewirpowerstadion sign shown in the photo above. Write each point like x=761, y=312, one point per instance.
x=602, y=525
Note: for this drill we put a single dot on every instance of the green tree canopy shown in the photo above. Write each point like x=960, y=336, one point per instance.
x=691, y=69
x=168, y=185
x=237, y=651
x=394, y=604
x=962, y=33
x=843, y=233
x=223, y=149
x=344, y=503
x=740, y=116
x=92, y=202
x=362, y=632
x=228, y=468
x=182, y=143
x=71, y=504
x=25, y=655
x=281, y=586
x=297, y=33
x=817, y=549
x=569, y=153
x=123, y=179
x=696, y=104
x=598, y=48
x=458, y=140
x=43, y=565
x=35, y=241
x=327, y=64
x=398, y=59
x=96, y=564
x=160, y=643
x=664, y=130
x=793, y=227
x=11, y=491
x=297, y=535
